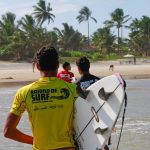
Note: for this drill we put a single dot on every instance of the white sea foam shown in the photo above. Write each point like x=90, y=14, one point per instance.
x=7, y=107
x=7, y=91
x=134, y=126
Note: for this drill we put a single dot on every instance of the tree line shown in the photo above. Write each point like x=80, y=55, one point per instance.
x=19, y=39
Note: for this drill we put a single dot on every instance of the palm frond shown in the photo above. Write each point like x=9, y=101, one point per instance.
x=94, y=19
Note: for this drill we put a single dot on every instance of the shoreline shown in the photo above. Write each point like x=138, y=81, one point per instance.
x=12, y=74
x=13, y=83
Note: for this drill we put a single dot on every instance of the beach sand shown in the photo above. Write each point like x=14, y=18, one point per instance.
x=19, y=73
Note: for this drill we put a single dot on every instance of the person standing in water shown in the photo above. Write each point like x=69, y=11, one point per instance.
x=49, y=102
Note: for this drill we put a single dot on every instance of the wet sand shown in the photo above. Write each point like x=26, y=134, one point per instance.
x=19, y=73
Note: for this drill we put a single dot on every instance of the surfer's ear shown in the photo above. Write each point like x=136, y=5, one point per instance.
x=57, y=66
x=82, y=93
x=38, y=66
x=80, y=71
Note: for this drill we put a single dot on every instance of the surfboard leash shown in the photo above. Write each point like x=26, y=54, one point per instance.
x=123, y=117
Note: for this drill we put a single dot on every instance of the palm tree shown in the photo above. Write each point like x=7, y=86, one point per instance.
x=140, y=34
x=52, y=38
x=27, y=23
x=9, y=45
x=42, y=12
x=8, y=23
x=85, y=15
x=68, y=37
x=135, y=25
x=104, y=39
x=118, y=19
x=145, y=26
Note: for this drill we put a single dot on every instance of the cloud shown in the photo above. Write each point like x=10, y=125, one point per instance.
x=3, y=8
x=65, y=8
x=19, y=9
x=22, y=10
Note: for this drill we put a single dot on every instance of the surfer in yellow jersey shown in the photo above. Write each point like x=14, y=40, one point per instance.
x=83, y=65
x=49, y=102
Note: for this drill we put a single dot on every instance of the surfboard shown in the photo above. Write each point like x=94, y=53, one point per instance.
x=96, y=115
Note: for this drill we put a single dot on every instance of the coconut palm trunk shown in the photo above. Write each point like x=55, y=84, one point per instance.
x=118, y=36
x=88, y=34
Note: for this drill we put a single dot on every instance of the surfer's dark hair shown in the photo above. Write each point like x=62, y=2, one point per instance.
x=83, y=64
x=47, y=58
x=65, y=64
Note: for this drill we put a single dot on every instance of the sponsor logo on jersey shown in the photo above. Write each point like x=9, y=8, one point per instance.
x=49, y=95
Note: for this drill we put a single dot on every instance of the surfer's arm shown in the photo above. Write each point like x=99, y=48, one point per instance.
x=11, y=131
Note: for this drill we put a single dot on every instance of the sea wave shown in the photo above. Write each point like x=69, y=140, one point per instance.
x=8, y=92
x=134, y=126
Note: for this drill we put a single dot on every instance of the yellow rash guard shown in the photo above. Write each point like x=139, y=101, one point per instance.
x=49, y=103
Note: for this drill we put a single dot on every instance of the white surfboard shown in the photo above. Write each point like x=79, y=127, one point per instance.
x=96, y=116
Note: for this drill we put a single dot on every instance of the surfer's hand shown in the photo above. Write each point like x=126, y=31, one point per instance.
x=82, y=93
x=114, y=129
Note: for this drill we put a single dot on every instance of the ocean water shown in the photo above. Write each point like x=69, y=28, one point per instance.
x=136, y=131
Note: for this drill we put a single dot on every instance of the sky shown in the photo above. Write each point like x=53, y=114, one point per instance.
x=66, y=11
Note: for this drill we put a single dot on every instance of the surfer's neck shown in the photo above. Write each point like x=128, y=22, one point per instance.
x=48, y=73
x=85, y=73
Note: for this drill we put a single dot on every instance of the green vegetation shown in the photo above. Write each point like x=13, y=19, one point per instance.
x=19, y=39
x=72, y=56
